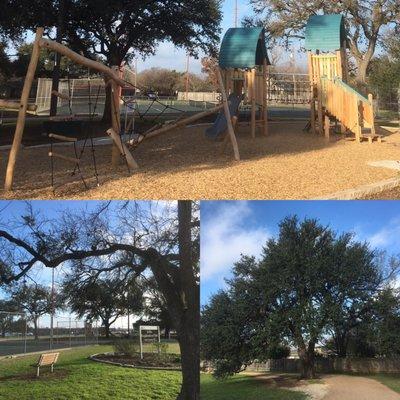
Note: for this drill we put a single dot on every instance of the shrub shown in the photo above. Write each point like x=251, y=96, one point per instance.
x=161, y=349
x=126, y=346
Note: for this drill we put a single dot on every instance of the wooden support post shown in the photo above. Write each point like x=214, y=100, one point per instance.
x=319, y=107
x=115, y=119
x=231, y=132
x=226, y=138
x=358, y=126
x=122, y=148
x=19, y=129
x=371, y=102
x=253, y=103
x=327, y=127
x=265, y=102
x=312, y=89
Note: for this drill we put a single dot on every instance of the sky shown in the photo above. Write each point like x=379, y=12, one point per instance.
x=232, y=228
x=169, y=57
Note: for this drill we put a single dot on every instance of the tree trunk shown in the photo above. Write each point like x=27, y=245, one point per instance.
x=35, y=327
x=107, y=329
x=340, y=340
x=182, y=295
x=167, y=332
x=189, y=344
x=307, y=362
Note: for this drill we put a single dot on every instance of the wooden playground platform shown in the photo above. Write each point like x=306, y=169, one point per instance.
x=287, y=164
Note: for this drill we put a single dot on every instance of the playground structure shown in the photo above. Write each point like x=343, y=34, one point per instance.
x=332, y=97
x=243, y=77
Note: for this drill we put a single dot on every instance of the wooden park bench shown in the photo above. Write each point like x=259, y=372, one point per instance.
x=47, y=359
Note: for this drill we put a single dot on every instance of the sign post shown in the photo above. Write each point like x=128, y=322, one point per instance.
x=147, y=329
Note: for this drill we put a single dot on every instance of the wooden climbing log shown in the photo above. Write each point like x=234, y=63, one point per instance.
x=14, y=105
x=60, y=95
x=65, y=158
x=122, y=148
x=81, y=60
x=19, y=129
x=183, y=122
x=231, y=132
x=62, y=137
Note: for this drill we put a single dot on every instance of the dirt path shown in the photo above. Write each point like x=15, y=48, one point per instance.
x=342, y=387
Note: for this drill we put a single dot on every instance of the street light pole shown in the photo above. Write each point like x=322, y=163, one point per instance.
x=52, y=310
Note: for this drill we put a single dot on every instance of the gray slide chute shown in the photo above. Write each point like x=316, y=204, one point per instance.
x=220, y=125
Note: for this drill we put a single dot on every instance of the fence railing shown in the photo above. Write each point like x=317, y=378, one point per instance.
x=351, y=108
x=21, y=334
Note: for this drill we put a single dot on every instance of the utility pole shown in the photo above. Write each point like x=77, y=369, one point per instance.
x=236, y=13
x=135, y=74
x=52, y=309
x=57, y=60
x=187, y=77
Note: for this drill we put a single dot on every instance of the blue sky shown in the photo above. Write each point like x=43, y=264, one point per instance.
x=233, y=227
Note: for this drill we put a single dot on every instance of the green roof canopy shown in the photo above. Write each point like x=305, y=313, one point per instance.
x=243, y=48
x=325, y=32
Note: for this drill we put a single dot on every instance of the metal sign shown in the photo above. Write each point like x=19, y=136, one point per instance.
x=147, y=328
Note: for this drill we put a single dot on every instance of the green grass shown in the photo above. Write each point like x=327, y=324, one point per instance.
x=242, y=387
x=392, y=381
x=77, y=378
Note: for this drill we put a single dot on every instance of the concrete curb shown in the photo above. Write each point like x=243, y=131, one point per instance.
x=94, y=358
x=363, y=191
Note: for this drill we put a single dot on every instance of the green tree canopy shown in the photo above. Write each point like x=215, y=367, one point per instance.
x=305, y=279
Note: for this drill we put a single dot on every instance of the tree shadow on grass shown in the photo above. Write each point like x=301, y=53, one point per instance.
x=283, y=380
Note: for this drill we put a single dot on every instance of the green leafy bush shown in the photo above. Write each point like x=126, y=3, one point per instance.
x=126, y=346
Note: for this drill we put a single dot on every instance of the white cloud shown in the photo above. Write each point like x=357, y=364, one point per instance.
x=225, y=237
x=388, y=236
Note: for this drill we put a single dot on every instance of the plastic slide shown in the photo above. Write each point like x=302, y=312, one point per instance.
x=220, y=125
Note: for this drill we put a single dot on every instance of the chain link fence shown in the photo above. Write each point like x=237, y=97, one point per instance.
x=21, y=334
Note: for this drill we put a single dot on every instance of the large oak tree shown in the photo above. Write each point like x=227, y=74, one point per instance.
x=307, y=280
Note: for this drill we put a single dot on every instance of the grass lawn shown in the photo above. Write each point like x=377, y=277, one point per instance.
x=242, y=387
x=76, y=377
x=392, y=381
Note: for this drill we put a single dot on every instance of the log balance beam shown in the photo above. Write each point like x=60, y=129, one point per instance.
x=14, y=106
x=182, y=122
